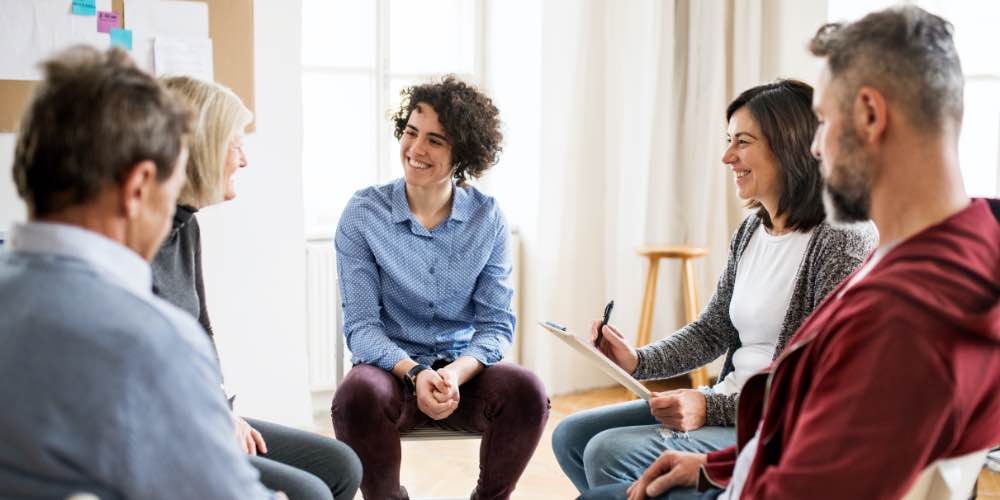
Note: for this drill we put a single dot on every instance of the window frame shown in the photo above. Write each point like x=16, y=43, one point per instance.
x=386, y=167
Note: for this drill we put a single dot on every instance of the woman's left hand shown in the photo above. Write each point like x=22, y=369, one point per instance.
x=249, y=438
x=680, y=410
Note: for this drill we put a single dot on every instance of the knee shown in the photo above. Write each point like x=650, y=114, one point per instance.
x=526, y=389
x=307, y=486
x=365, y=387
x=601, y=450
x=349, y=466
x=566, y=437
x=342, y=471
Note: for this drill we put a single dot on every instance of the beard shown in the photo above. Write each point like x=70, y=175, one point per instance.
x=847, y=194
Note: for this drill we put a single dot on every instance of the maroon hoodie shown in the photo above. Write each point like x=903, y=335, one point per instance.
x=900, y=371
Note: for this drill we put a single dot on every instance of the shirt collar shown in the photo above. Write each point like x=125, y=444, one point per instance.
x=461, y=205
x=112, y=260
x=182, y=215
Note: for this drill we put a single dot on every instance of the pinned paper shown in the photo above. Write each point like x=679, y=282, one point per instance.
x=31, y=31
x=183, y=56
x=107, y=20
x=84, y=7
x=121, y=38
x=150, y=19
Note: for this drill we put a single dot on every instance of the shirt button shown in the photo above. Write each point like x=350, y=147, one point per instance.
x=432, y=270
x=431, y=304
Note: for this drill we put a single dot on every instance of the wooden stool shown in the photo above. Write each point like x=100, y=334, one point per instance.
x=654, y=253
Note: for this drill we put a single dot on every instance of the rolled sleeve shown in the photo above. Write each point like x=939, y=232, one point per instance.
x=494, y=320
x=358, y=274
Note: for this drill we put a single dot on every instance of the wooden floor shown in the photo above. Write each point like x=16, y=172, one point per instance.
x=450, y=468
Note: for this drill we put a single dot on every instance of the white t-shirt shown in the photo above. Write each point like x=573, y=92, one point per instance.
x=765, y=278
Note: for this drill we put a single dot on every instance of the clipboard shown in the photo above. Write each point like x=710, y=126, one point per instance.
x=609, y=367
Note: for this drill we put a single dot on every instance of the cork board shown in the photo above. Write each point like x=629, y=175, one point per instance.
x=230, y=26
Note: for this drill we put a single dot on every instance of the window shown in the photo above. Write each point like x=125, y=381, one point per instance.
x=356, y=57
x=976, y=39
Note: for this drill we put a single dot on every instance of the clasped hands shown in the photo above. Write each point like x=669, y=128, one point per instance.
x=437, y=392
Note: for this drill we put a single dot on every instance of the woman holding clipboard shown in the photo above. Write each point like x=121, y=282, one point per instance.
x=783, y=260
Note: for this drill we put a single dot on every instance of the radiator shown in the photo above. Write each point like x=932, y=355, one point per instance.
x=329, y=358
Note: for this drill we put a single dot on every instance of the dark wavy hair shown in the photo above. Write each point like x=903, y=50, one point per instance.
x=783, y=110
x=470, y=120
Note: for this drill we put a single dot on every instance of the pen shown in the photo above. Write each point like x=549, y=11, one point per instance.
x=600, y=330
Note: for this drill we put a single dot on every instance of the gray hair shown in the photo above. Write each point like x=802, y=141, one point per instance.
x=905, y=52
x=94, y=117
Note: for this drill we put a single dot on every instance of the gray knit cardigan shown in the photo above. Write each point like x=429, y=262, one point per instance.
x=832, y=254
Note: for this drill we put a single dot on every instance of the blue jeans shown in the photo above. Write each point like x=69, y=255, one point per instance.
x=620, y=491
x=615, y=444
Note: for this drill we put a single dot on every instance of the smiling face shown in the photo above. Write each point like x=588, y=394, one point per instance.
x=424, y=149
x=754, y=167
x=235, y=160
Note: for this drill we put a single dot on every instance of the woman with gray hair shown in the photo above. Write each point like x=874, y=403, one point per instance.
x=302, y=464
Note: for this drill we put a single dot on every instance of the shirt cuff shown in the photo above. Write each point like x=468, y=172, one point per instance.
x=389, y=361
x=485, y=356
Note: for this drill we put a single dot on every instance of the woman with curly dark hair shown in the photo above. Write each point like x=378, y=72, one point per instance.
x=424, y=266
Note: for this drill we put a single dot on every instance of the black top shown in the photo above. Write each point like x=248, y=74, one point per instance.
x=177, y=275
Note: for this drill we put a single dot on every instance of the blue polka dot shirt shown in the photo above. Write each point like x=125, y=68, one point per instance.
x=425, y=295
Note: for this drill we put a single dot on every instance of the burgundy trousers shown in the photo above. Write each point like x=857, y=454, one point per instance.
x=505, y=402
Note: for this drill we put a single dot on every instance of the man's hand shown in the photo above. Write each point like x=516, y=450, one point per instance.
x=250, y=440
x=673, y=469
x=428, y=402
x=679, y=410
x=615, y=347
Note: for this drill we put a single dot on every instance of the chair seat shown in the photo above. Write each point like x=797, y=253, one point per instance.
x=435, y=431
x=672, y=251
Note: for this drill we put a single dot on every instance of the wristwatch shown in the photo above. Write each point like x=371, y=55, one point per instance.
x=410, y=379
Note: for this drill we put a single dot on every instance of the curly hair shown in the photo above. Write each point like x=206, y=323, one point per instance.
x=469, y=118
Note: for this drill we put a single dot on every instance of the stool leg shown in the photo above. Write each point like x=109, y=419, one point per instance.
x=699, y=376
x=648, y=302
x=646, y=317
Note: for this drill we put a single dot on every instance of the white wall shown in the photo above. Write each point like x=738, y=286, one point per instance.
x=11, y=208
x=254, y=246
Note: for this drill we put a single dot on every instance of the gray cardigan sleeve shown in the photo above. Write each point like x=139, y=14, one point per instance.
x=703, y=340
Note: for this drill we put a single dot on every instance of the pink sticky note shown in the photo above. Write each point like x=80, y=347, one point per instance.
x=106, y=21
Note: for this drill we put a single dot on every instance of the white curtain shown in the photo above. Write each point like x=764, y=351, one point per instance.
x=632, y=130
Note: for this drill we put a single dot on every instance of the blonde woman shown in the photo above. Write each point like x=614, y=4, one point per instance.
x=302, y=464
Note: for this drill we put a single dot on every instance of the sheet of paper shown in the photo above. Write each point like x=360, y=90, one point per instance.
x=183, y=56
x=149, y=19
x=32, y=31
x=107, y=20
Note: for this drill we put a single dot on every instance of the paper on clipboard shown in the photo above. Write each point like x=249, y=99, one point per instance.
x=609, y=367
